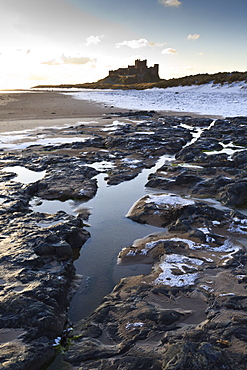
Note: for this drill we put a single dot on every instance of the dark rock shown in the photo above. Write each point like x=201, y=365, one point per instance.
x=241, y=333
x=160, y=183
x=44, y=249
x=218, y=160
x=126, y=362
x=180, y=226
x=188, y=154
x=161, y=214
x=115, y=177
x=198, y=234
x=186, y=180
x=17, y=355
x=234, y=194
x=77, y=237
x=188, y=356
x=63, y=250
x=201, y=122
x=88, y=349
x=211, y=187
x=67, y=188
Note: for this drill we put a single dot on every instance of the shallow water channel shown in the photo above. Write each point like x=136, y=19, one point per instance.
x=110, y=231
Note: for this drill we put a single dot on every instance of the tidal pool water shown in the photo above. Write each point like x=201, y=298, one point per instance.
x=110, y=231
x=24, y=175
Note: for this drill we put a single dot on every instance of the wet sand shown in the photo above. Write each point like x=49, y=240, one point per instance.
x=20, y=111
x=31, y=109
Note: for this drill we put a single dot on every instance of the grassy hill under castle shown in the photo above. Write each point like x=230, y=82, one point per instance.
x=198, y=79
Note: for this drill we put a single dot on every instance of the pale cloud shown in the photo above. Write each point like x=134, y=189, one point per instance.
x=169, y=51
x=170, y=2
x=136, y=44
x=93, y=40
x=193, y=37
x=68, y=60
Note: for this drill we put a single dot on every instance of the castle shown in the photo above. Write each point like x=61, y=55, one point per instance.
x=138, y=73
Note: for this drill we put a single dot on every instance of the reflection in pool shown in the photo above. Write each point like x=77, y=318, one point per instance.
x=110, y=231
x=24, y=175
x=52, y=206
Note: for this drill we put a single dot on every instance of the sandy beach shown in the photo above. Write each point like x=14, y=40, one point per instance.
x=31, y=109
x=27, y=110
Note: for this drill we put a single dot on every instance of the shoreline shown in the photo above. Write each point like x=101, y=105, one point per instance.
x=30, y=110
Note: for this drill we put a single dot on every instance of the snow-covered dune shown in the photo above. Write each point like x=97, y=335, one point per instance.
x=209, y=99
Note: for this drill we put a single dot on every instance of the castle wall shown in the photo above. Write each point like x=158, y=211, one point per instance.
x=139, y=64
x=154, y=71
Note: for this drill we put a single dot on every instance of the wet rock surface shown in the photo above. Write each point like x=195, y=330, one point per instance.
x=37, y=273
x=202, y=172
x=190, y=311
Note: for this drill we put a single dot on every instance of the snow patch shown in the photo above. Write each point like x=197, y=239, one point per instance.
x=131, y=253
x=207, y=288
x=180, y=263
x=133, y=325
x=169, y=199
x=57, y=341
x=238, y=226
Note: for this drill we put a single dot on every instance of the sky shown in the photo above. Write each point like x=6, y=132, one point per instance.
x=77, y=41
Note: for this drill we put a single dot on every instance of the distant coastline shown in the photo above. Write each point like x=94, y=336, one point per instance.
x=198, y=79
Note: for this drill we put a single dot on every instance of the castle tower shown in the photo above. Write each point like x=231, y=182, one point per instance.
x=155, y=70
x=140, y=64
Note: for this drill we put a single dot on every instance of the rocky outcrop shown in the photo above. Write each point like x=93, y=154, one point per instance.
x=189, y=312
x=36, y=281
x=182, y=315
x=36, y=275
x=221, y=176
x=158, y=209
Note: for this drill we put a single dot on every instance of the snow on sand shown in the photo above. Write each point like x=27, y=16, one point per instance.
x=209, y=99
